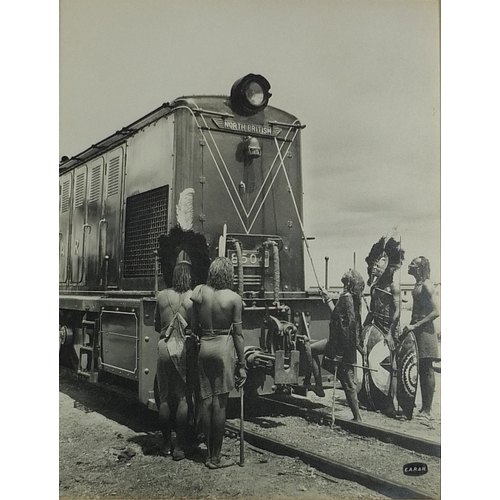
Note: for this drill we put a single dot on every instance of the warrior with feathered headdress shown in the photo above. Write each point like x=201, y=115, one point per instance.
x=384, y=259
x=184, y=259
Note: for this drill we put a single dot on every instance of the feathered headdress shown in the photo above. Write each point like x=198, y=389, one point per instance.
x=184, y=209
x=183, y=245
x=388, y=249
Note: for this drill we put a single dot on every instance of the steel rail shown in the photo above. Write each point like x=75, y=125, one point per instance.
x=331, y=467
x=420, y=445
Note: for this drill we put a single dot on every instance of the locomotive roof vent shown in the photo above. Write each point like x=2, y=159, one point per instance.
x=250, y=94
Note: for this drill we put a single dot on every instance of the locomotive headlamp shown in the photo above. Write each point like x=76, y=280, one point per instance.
x=254, y=94
x=250, y=94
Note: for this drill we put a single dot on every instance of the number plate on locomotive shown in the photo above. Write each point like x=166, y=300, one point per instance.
x=249, y=258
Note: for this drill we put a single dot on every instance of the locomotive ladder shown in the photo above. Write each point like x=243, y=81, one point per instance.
x=91, y=350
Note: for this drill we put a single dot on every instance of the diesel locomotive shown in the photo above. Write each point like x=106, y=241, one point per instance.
x=240, y=160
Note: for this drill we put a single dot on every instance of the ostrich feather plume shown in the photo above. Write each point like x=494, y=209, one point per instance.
x=184, y=209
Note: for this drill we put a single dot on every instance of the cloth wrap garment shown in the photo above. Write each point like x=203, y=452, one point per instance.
x=216, y=362
x=176, y=349
x=425, y=335
x=345, y=324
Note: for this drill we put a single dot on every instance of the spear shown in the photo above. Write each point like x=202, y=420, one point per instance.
x=242, y=431
x=333, y=395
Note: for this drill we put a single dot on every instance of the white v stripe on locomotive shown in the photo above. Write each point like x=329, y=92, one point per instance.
x=242, y=213
x=263, y=186
x=269, y=173
x=273, y=179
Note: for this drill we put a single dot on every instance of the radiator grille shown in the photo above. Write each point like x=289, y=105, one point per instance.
x=146, y=219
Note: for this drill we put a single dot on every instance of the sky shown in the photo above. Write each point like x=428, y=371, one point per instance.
x=363, y=76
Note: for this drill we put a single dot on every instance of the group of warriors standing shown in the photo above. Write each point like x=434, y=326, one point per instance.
x=201, y=348
x=351, y=340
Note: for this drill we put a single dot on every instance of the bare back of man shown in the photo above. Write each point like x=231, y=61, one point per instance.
x=175, y=358
x=170, y=301
x=218, y=308
x=217, y=320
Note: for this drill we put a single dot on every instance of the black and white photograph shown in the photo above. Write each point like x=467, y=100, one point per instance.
x=249, y=249
x=253, y=230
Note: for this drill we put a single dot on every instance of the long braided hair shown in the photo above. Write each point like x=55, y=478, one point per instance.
x=220, y=274
x=355, y=285
x=425, y=267
x=181, y=279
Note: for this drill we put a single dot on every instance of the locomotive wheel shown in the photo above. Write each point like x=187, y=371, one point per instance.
x=65, y=336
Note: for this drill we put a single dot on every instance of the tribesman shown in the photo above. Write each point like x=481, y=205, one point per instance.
x=345, y=330
x=184, y=258
x=217, y=320
x=176, y=350
x=384, y=259
x=424, y=312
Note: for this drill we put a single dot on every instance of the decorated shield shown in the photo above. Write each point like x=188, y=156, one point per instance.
x=375, y=392
x=407, y=374
x=359, y=372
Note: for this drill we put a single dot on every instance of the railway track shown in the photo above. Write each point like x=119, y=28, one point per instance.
x=331, y=467
x=406, y=441
x=369, y=475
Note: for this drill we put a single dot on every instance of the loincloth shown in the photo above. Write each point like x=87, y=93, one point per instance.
x=427, y=342
x=175, y=378
x=216, y=363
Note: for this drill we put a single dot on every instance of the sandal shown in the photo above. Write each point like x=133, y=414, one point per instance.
x=178, y=455
x=424, y=416
x=220, y=464
x=165, y=451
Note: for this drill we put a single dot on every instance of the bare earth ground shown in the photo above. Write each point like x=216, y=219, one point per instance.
x=417, y=427
x=108, y=450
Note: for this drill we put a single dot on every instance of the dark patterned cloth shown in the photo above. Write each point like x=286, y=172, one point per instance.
x=344, y=323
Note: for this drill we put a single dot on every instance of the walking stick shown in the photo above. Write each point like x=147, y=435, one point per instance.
x=242, y=429
x=333, y=395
